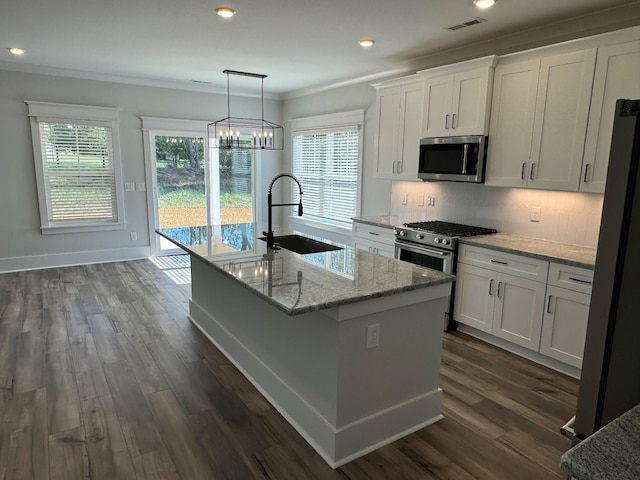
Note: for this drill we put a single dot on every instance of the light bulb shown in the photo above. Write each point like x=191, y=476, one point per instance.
x=484, y=3
x=225, y=12
x=366, y=42
x=16, y=51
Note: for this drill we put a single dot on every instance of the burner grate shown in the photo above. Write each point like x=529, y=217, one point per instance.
x=452, y=229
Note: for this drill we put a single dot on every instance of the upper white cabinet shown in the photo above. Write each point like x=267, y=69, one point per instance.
x=539, y=121
x=617, y=75
x=457, y=97
x=397, y=140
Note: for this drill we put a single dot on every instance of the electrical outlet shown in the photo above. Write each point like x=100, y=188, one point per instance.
x=133, y=236
x=421, y=200
x=535, y=214
x=431, y=201
x=129, y=187
x=404, y=198
x=373, y=335
x=140, y=187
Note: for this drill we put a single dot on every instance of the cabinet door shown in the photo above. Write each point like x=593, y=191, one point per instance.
x=386, y=143
x=564, y=326
x=474, y=299
x=518, y=310
x=511, y=125
x=437, y=106
x=374, y=247
x=410, y=128
x=617, y=76
x=560, y=124
x=470, y=102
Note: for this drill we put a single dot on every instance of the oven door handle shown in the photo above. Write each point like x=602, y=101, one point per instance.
x=422, y=249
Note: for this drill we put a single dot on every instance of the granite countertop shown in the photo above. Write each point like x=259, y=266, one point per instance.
x=295, y=283
x=566, y=254
x=610, y=453
x=384, y=221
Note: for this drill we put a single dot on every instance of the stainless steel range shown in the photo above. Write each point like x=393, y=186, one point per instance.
x=434, y=244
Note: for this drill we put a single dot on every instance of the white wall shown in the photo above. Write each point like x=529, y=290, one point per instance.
x=566, y=217
x=22, y=246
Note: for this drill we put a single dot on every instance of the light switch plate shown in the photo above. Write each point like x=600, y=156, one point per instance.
x=404, y=199
x=140, y=187
x=536, y=212
x=421, y=200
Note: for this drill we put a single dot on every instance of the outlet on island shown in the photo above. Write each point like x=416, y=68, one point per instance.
x=373, y=335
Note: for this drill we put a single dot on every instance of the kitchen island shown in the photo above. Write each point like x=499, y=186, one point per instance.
x=345, y=344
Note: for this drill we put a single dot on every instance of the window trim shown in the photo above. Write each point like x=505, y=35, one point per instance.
x=353, y=119
x=58, y=112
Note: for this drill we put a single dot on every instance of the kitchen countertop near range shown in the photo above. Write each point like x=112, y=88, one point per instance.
x=574, y=255
x=384, y=221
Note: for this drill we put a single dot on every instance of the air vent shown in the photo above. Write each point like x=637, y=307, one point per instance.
x=468, y=23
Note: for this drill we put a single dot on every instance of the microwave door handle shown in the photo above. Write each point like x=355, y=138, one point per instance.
x=465, y=158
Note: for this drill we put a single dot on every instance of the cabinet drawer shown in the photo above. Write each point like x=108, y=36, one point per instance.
x=573, y=278
x=378, y=234
x=517, y=265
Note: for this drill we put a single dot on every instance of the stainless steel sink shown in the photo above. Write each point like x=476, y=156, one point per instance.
x=302, y=245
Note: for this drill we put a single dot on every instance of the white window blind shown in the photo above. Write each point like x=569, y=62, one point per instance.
x=76, y=150
x=326, y=163
x=78, y=172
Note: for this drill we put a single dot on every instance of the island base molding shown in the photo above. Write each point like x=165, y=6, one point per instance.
x=345, y=400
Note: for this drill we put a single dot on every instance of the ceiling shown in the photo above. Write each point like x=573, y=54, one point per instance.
x=299, y=44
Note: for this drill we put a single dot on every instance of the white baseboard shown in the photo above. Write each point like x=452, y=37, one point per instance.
x=336, y=446
x=37, y=262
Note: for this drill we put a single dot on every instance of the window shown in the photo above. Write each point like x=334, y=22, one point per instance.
x=76, y=152
x=326, y=160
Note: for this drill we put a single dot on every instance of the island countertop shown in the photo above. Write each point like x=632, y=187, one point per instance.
x=295, y=283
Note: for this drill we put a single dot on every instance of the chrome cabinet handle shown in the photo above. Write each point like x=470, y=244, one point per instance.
x=491, y=287
x=549, y=304
x=446, y=122
x=524, y=164
x=499, y=286
x=453, y=121
x=498, y=262
x=586, y=173
x=531, y=174
x=394, y=167
x=399, y=169
x=374, y=233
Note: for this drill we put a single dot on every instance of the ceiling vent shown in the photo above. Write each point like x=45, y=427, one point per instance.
x=468, y=23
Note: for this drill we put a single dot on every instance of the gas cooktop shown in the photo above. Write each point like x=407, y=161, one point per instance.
x=443, y=234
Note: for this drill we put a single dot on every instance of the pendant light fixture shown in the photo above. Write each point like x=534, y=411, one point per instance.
x=245, y=133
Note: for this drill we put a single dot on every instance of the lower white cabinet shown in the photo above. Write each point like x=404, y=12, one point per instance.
x=564, y=327
x=374, y=239
x=507, y=306
x=535, y=304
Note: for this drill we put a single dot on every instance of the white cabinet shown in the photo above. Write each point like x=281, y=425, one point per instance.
x=539, y=121
x=397, y=140
x=456, y=98
x=617, y=75
x=373, y=239
x=564, y=326
x=501, y=294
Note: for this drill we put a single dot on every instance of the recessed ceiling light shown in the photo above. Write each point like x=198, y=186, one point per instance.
x=16, y=51
x=484, y=3
x=225, y=12
x=366, y=42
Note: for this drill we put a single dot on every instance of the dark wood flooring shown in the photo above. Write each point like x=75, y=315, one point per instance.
x=103, y=377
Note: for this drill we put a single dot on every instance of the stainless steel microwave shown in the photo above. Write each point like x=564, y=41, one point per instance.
x=456, y=159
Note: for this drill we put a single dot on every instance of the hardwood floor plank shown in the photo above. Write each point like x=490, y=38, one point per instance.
x=143, y=321
x=105, y=339
x=431, y=460
x=87, y=367
x=142, y=364
x=30, y=361
x=68, y=459
x=180, y=439
x=76, y=319
x=106, y=446
x=528, y=446
x=155, y=466
x=9, y=333
x=63, y=405
x=469, y=416
x=138, y=425
x=56, y=337
x=179, y=341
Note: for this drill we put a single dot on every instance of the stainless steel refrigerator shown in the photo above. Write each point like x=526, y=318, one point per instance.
x=610, y=381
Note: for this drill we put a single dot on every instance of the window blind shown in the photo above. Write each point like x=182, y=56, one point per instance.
x=78, y=171
x=326, y=163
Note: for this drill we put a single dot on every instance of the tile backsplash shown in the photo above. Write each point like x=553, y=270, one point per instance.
x=564, y=217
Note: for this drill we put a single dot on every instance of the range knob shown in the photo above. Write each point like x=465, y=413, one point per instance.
x=402, y=233
x=437, y=240
x=419, y=236
x=446, y=241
